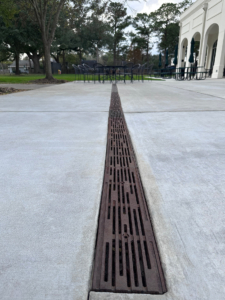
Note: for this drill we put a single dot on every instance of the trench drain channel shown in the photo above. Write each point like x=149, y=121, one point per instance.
x=126, y=255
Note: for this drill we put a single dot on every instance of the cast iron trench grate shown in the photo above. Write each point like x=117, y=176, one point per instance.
x=126, y=257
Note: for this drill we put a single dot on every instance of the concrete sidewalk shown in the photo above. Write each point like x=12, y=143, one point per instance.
x=25, y=86
x=210, y=86
x=179, y=140
x=52, y=154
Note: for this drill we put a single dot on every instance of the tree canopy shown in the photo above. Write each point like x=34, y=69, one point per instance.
x=71, y=30
x=144, y=26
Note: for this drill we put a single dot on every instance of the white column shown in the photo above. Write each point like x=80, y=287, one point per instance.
x=183, y=55
x=180, y=49
x=205, y=6
x=220, y=52
x=188, y=53
x=203, y=50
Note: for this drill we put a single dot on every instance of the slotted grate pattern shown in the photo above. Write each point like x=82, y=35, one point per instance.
x=126, y=257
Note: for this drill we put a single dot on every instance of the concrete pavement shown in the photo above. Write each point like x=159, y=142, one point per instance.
x=52, y=158
x=24, y=86
x=52, y=154
x=213, y=87
x=179, y=140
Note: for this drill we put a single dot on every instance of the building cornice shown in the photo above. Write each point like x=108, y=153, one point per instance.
x=193, y=8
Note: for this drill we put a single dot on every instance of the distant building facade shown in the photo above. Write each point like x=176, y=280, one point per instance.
x=204, y=21
x=25, y=66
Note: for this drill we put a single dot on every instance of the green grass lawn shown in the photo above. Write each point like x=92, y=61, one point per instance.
x=29, y=77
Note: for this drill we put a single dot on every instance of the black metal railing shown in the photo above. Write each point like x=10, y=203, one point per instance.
x=102, y=73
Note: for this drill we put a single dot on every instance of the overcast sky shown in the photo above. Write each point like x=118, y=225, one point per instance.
x=146, y=6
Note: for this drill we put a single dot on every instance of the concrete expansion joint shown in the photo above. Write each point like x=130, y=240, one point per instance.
x=172, y=111
x=200, y=93
x=52, y=111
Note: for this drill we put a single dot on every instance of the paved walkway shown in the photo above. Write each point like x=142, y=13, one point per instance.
x=178, y=132
x=52, y=155
x=24, y=86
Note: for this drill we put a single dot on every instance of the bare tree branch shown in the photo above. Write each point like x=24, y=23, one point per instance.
x=47, y=14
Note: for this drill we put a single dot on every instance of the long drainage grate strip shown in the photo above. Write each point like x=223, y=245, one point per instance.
x=126, y=257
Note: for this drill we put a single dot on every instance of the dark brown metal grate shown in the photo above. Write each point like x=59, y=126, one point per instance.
x=126, y=257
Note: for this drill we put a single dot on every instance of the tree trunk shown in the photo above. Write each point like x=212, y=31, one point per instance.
x=147, y=51
x=64, y=65
x=35, y=59
x=57, y=58
x=2, y=68
x=48, y=68
x=80, y=56
x=164, y=58
x=97, y=54
x=17, y=57
x=114, y=44
x=48, y=22
x=114, y=55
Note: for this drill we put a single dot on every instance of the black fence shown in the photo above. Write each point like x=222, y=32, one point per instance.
x=102, y=73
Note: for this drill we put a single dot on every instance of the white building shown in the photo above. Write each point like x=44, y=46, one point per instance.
x=204, y=21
